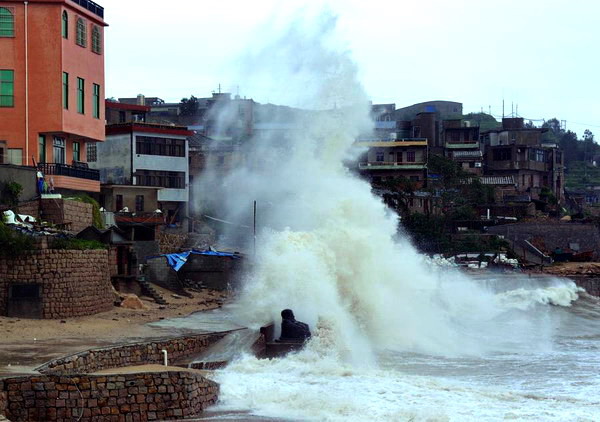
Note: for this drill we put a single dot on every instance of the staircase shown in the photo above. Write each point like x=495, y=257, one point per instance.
x=148, y=290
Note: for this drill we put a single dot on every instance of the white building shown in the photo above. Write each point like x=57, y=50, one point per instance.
x=141, y=154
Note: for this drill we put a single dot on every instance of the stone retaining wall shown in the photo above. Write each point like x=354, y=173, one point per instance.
x=78, y=215
x=72, y=283
x=155, y=396
x=590, y=284
x=145, y=353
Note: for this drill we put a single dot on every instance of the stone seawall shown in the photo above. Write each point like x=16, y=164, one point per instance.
x=590, y=284
x=149, y=396
x=69, y=283
x=149, y=352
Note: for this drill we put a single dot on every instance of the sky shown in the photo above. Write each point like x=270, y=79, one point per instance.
x=541, y=56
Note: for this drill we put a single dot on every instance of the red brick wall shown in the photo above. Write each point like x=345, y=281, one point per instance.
x=74, y=283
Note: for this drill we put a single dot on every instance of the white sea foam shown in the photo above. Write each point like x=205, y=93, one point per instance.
x=327, y=248
x=524, y=299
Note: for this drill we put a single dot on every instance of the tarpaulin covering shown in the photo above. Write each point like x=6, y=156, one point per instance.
x=177, y=260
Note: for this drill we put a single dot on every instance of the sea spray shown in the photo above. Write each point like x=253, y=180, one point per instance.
x=327, y=246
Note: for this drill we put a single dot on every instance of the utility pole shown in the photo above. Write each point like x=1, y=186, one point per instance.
x=254, y=227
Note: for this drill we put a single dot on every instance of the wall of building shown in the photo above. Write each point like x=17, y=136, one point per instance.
x=129, y=194
x=167, y=395
x=114, y=160
x=165, y=163
x=72, y=283
x=24, y=176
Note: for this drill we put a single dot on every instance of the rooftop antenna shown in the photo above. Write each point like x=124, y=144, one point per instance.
x=503, y=108
x=512, y=109
x=517, y=111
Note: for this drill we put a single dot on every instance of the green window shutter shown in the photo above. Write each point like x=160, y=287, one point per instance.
x=7, y=88
x=7, y=23
x=80, y=95
x=65, y=24
x=96, y=111
x=65, y=90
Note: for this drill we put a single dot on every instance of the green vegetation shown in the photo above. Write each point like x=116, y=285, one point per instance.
x=13, y=243
x=188, y=106
x=96, y=216
x=483, y=120
x=581, y=174
x=10, y=192
x=77, y=244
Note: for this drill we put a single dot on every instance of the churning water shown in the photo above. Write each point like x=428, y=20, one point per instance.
x=396, y=337
x=553, y=374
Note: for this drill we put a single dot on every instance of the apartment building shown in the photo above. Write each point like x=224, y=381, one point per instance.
x=52, y=87
x=145, y=157
x=461, y=144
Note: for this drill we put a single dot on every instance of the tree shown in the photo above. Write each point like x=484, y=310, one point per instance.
x=188, y=107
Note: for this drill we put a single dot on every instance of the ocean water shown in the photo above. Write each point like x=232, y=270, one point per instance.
x=551, y=374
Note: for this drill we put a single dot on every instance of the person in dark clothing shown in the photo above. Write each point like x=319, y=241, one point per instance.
x=292, y=329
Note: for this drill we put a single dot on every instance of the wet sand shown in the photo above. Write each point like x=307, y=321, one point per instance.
x=28, y=343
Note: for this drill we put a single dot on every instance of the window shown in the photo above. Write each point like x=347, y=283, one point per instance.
x=65, y=25
x=165, y=179
x=122, y=117
x=3, y=155
x=399, y=156
x=42, y=148
x=81, y=38
x=118, y=202
x=379, y=156
x=7, y=88
x=15, y=156
x=96, y=105
x=76, y=151
x=80, y=95
x=150, y=145
x=410, y=156
x=59, y=150
x=139, y=203
x=91, y=153
x=7, y=22
x=65, y=92
x=96, y=40
x=502, y=154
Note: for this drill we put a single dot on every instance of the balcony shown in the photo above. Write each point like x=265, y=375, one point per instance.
x=77, y=177
x=381, y=143
x=96, y=9
x=391, y=165
x=463, y=145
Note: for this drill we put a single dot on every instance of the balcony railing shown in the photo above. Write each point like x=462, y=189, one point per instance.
x=392, y=165
x=67, y=170
x=91, y=6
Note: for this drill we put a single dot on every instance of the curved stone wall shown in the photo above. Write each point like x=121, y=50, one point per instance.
x=72, y=283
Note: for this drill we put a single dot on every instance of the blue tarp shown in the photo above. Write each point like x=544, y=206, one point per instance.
x=177, y=260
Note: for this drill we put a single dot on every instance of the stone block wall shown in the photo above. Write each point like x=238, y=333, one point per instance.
x=152, y=396
x=64, y=211
x=73, y=283
x=146, y=353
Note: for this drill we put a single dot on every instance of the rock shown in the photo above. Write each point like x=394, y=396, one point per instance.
x=131, y=301
x=176, y=296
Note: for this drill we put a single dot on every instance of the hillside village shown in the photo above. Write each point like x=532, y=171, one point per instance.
x=112, y=216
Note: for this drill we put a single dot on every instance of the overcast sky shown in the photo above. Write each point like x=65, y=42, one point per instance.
x=542, y=55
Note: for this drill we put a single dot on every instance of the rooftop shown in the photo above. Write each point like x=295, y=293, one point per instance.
x=95, y=8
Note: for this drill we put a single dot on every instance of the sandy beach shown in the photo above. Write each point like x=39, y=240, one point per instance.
x=27, y=343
